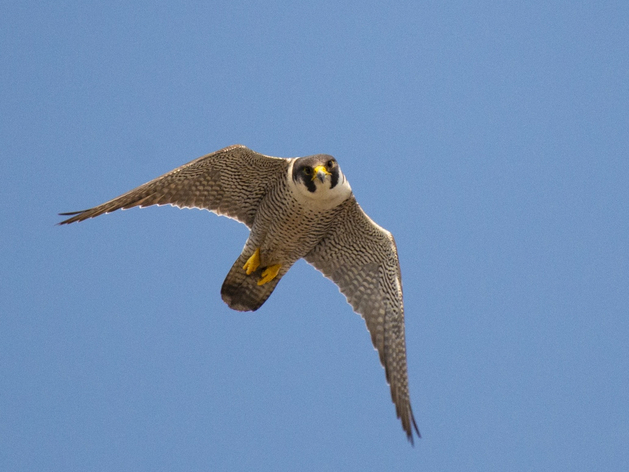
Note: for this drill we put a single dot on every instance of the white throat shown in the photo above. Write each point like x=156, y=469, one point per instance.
x=324, y=198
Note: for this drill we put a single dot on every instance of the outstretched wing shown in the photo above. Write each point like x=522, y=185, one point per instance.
x=229, y=182
x=361, y=258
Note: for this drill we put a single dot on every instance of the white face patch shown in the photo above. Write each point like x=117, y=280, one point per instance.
x=324, y=197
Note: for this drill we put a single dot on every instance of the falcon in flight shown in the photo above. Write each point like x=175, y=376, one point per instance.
x=294, y=208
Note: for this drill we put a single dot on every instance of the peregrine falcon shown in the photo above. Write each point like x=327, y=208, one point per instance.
x=294, y=208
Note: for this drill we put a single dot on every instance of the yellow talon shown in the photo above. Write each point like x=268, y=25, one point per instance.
x=253, y=262
x=269, y=274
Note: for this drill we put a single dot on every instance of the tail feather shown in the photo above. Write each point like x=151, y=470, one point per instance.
x=242, y=292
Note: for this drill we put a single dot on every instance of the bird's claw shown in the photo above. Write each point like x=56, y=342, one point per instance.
x=253, y=262
x=269, y=274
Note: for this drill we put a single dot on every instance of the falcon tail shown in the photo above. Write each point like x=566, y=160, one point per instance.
x=242, y=292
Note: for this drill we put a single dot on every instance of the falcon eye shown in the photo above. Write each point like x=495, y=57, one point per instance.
x=308, y=170
x=330, y=163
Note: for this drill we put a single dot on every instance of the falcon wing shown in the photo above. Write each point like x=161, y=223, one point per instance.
x=361, y=258
x=229, y=182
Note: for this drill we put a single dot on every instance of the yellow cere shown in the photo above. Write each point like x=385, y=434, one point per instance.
x=319, y=169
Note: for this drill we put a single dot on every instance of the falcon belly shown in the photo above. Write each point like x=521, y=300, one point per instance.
x=295, y=208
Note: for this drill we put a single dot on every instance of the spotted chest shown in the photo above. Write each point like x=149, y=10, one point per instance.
x=286, y=229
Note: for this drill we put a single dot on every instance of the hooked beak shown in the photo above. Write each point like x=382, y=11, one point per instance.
x=319, y=173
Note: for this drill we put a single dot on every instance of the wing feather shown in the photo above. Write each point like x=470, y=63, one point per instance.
x=229, y=182
x=361, y=258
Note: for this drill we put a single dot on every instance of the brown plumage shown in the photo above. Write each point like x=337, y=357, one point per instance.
x=295, y=208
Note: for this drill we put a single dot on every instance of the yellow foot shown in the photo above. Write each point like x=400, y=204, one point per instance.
x=269, y=274
x=253, y=262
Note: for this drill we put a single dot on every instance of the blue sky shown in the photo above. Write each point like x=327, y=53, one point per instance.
x=491, y=138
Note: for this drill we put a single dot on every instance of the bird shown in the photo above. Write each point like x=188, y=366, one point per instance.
x=295, y=208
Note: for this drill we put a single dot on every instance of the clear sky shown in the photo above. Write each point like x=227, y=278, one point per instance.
x=491, y=138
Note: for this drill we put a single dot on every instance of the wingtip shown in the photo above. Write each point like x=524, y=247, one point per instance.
x=419, y=435
x=75, y=217
x=409, y=429
x=411, y=437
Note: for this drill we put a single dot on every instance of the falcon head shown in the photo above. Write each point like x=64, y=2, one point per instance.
x=318, y=181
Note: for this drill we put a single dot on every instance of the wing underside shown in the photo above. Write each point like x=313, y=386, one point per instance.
x=229, y=182
x=361, y=258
